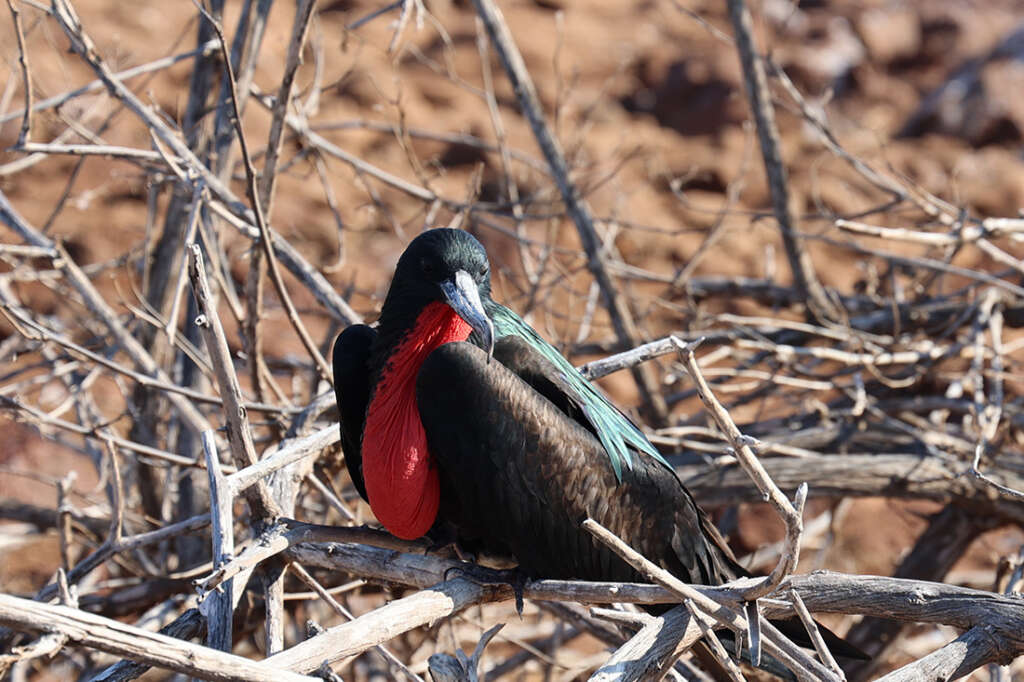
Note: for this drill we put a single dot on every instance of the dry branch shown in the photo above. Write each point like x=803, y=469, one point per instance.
x=125, y=640
x=645, y=655
x=791, y=513
x=821, y=591
x=756, y=82
x=26, y=71
x=864, y=475
x=239, y=432
x=218, y=606
x=425, y=606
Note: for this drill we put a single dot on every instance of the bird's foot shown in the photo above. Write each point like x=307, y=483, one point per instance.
x=481, y=575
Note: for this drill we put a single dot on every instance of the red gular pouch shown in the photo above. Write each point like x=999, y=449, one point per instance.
x=401, y=480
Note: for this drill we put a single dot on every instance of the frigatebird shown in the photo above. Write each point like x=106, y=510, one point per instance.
x=455, y=412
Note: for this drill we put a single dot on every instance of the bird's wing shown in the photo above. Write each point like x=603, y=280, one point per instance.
x=519, y=475
x=614, y=429
x=352, y=389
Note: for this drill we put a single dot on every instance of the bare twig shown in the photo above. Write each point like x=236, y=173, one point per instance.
x=185, y=627
x=630, y=358
x=968, y=652
x=714, y=643
x=189, y=238
x=402, y=615
x=975, y=471
x=44, y=647
x=286, y=534
x=804, y=276
x=265, y=191
x=217, y=608
x=649, y=653
x=240, y=434
x=812, y=628
x=64, y=514
x=318, y=589
x=26, y=75
x=125, y=640
x=127, y=74
x=791, y=512
x=98, y=306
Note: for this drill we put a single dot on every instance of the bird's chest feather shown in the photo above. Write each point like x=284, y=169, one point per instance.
x=401, y=482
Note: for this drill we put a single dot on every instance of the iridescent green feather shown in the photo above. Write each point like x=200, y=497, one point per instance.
x=615, y=431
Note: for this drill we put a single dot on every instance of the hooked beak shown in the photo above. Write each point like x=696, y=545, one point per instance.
x=461, y=293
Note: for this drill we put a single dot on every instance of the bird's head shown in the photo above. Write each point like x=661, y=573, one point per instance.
x=448, y=266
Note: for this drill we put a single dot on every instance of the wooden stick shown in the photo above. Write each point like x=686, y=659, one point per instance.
x=287, y=453
x=653, y=649
x=239, y=432
x=64, y=515
x=118, y=638
x=378, y=626
x=171, y=324
x=865, y=475
x=26, y=75
x=218, y=607
x=791, y=513
x=812, y=629
x=45, y=646
x=714, y=643
x=804, y=276
x=956, y=660
x=630, y=358
x=186, y=626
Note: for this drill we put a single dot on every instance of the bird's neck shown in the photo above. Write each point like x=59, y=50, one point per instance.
x=401, y=482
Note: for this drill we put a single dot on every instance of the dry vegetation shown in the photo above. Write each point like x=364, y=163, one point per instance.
x=841, y=232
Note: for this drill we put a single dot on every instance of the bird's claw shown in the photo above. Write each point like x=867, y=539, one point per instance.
x=481, y=575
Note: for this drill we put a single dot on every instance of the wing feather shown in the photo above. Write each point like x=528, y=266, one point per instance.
x=352, y=389
x=616, y=432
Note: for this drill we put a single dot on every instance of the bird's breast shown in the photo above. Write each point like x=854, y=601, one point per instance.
x=402, y=483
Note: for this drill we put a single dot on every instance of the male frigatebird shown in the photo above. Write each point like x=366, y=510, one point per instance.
x=455, y=411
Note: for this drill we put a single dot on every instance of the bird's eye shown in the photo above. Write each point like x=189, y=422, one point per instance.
x=428, y=268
